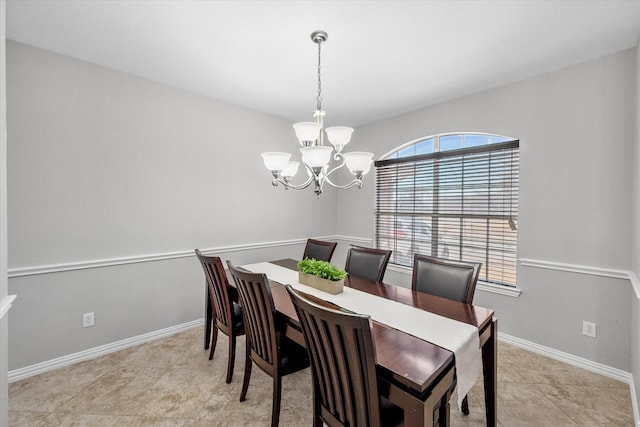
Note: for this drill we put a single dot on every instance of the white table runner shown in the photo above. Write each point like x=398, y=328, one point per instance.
x=460, y=338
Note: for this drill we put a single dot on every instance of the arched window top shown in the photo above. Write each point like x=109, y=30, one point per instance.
x=444, y=142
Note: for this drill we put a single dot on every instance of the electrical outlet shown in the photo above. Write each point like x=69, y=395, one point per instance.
x=589, y=329
x=88, y=319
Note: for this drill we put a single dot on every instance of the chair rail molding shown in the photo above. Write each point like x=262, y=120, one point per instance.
x=5, y=304
x=360, y=240
x=503, y=290
x=576, y=268
x=83, y=265
x=635, y=283
x=108, y=262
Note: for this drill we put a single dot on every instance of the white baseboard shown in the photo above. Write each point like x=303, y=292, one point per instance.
x=635, y=283
x=598, y=368
x=5, y=304
x=634, y=402
x=49, y=365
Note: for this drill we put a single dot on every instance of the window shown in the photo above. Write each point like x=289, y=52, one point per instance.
x=452, y=196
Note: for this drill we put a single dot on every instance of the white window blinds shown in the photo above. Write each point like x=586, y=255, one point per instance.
x=459, y=204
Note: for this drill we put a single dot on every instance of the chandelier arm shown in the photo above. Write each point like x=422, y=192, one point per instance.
x=288, y=185
x=356, y=182
x=336, y=157
x=341, y=165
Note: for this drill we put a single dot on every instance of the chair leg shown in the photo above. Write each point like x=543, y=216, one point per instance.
x=214, y=341
x=247, y=376
x=465, y=406
x=317, y=420
x=277, y=391
x=208, y=317
x=232, y=356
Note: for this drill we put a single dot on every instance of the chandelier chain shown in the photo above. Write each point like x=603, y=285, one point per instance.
x=319, y=97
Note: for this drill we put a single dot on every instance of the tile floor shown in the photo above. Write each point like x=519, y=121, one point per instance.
x=170, y=382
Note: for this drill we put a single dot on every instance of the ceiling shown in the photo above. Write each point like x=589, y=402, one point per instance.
x=382, y=58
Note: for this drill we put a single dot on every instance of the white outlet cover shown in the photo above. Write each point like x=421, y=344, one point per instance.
x=88, y=319
x=589, y=329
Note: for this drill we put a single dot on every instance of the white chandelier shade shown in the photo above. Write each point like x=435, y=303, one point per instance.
x=358, y=162
x=339, y=136
x=276, y=161
x=316, y=157
x=290, y=170
x=307, y=131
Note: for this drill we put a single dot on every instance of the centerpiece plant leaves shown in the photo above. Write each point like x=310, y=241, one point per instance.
x=321, y=269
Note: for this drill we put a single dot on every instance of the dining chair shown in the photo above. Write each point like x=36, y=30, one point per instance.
x=368, y=263
x=227, y=316
x=319, y=250
x=445, y=278
x=266, y=344
x=343, y=366
x=455, y=280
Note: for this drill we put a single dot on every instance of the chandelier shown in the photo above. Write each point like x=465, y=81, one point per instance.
x=315, y=155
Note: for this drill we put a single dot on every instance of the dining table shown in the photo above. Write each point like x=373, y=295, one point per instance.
x=414, y=374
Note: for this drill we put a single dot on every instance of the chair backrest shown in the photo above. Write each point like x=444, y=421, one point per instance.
x=218, y=288
x=258, y=311
x=319, y=250
x=343, y=363
x=368, y=263
x=446, y=278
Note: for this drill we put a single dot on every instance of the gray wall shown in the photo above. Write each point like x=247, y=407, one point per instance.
x=635, y=323
x=576, y=130
x=4, y=411
x=104, y=166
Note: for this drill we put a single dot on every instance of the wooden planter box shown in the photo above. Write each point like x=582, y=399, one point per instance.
x=322, y=284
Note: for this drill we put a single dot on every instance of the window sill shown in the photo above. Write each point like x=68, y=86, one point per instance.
x=499, y=289
x=509, y=291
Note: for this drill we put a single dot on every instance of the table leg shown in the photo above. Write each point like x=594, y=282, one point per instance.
x=490, y=373
x=434, y=410
x=208, y=317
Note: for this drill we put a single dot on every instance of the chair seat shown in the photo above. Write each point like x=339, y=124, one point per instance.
x=294, y=356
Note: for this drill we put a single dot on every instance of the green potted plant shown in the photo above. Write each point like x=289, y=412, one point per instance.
x=321, y=275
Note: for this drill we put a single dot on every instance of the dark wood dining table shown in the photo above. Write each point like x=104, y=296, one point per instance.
x=414, y=374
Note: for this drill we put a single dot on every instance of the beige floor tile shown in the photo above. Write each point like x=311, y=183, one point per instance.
x=171, y=382
x=51, y=390
x=592, y=406
x=538, y=369
x=527, y=405
x=33, y=419
x=117, y=392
